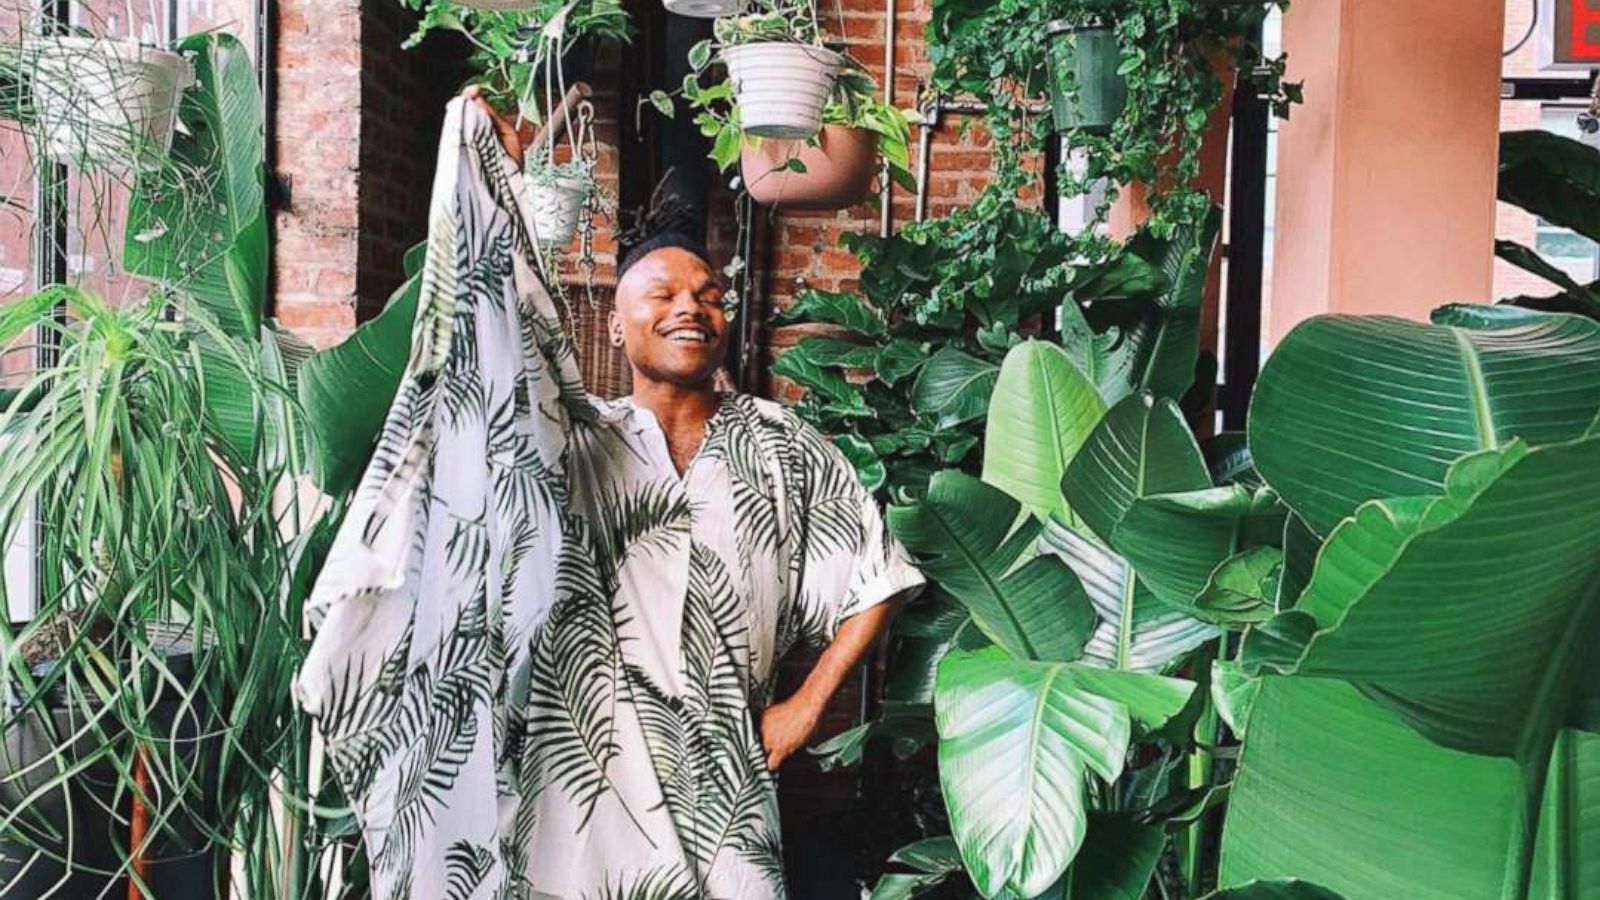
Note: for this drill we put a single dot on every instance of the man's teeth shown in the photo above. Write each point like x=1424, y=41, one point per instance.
x=688, y=337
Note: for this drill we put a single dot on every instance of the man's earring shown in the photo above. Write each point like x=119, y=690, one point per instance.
x=616, y=339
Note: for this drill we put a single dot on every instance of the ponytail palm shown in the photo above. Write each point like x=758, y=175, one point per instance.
x=159, y=542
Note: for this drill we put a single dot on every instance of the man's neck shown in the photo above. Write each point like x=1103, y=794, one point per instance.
x=682, y=413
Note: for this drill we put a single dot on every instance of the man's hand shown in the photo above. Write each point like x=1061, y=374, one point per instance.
x=510, y=137
x=787, y=726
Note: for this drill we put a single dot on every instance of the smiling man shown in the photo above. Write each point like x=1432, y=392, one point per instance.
x=551, y=623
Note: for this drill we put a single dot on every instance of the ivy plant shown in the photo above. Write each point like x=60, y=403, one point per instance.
x=1174, y=56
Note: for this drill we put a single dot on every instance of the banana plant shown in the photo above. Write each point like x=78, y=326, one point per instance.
x=1418, y=712
x=1557, y=179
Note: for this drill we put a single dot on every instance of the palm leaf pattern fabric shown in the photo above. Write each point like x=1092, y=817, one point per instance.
x=540, y=650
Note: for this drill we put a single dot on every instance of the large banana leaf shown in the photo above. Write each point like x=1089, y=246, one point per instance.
x=1285, y=889
x=1141, y=447
x=1176, y=541
x=1334, y=789
x=1553, y=177
x=1041, y=412
x=201, y=223
x=970, y=538
x=1157, y=340
x=1352, y=409
x=1468, y=613
x=1135, y=630
x=1017, y=741
x=346, y=390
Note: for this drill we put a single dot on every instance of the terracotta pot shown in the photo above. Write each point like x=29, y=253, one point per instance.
x=839, y=169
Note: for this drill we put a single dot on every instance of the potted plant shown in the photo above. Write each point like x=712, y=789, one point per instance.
x=112, y=103
x=1087, y=90
x=556, y=196
x=782, y=74
x=834, y=169
x=137, y=729
x=789, y=155
x=704, y=9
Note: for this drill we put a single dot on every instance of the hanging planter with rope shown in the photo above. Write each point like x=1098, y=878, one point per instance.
x=109, y=103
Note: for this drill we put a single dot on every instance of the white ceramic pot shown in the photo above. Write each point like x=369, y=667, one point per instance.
x=114, y=103
x=705, y=9
x=781, y=89
x=552, y=208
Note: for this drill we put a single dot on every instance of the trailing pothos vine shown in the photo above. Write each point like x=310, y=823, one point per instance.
x=1175, y=55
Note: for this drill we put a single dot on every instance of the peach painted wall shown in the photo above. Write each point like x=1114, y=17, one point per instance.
x=1386, y=176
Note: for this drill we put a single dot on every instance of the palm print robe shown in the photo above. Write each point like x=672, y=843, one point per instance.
x=539, y=648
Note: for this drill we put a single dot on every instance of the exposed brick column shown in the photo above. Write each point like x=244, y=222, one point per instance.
x=318, y=134
x=357, y=128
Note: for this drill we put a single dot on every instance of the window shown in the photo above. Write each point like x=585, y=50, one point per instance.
x=92, y=213
x=1571, y=252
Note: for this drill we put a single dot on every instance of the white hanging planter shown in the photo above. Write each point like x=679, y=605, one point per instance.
x=114, y=103
x=705, y=9
x=553, y=207
x=780, y=88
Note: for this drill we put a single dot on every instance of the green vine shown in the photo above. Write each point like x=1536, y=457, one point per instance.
x=1174, y=56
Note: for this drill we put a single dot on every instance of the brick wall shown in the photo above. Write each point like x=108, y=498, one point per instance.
x=357, y=127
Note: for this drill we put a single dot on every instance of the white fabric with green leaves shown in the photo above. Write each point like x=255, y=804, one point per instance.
x=539, y=648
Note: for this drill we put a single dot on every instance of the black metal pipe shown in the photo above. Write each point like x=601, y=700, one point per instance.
x=1246, y=249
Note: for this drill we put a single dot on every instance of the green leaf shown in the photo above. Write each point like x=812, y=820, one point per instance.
x=868, y=466
x=346, y=390
x=1553, y=177
x=1175, y=542
x=1141, y=447
x=1334, y=789
x=834, y=308
x=1388, y=404
x=1136, y=631
x=1156, y=342
x=700, y=55
x=662, y=101
x=1465, y=613
x=1233, y=692
x=899, y=358
x=1042, y=410
x=1017, y=740
x=969, y=537
x=1526, y=259
x=1285, y=889
x=954, y=387
x=1243, y=589
x=725, y=146
x=201, y=224
x=812, y=364
x=922, y=634
x=1117, y=859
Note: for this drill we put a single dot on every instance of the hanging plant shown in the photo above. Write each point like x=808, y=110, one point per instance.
x=800, y=115
x=1172, y=60
x=505, y=37
x=99, y=101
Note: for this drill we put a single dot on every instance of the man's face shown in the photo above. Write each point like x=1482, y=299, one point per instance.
x=670, y=317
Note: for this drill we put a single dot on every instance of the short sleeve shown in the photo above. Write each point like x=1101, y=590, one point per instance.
x=850, y=561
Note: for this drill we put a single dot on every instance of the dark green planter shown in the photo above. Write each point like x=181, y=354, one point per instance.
x=82, y=823
x=1085, y=56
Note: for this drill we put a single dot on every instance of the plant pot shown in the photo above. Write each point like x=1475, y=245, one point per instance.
x=84, y=821
x=780, y=88
x=838, y=169
x=113, y=103
x=1085, y=56
x=553, y=207
x=705, y=9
